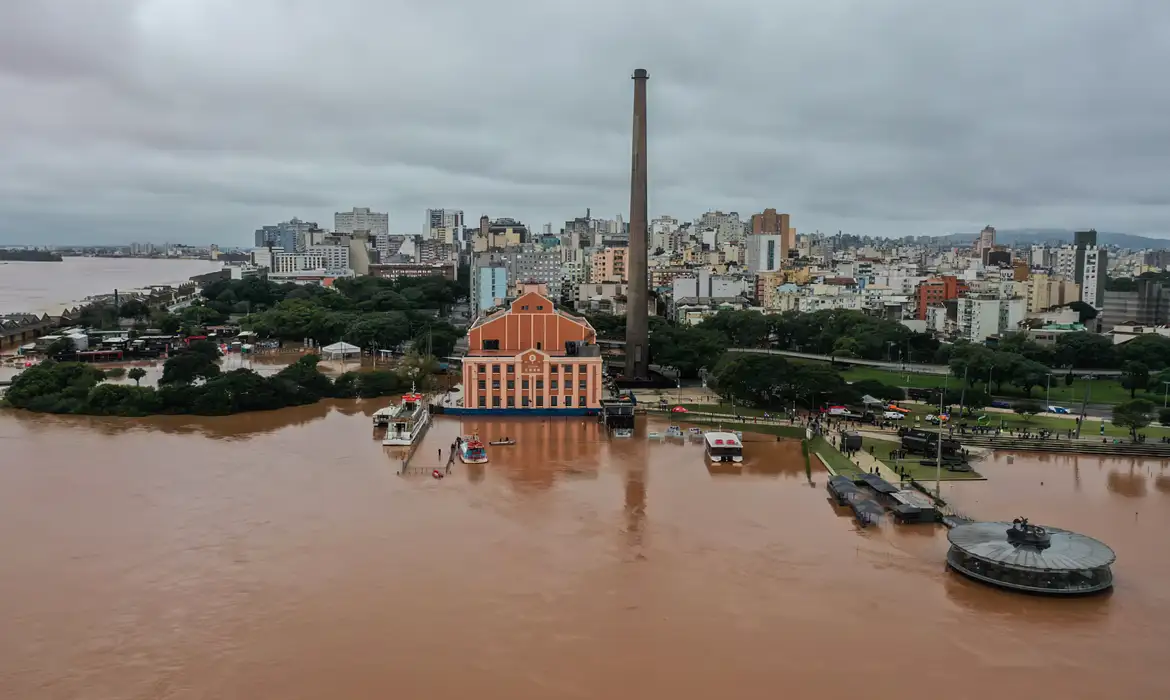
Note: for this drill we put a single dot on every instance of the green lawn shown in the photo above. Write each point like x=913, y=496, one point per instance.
x=839, y=462
x=782, y=430
x=1091, y=427
x=725, y=408
x=1107, y=391
x=918, y=472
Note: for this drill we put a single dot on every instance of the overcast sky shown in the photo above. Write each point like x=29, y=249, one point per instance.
x=200, y=120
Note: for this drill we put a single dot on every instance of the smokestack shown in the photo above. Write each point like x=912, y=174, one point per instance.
x=637, y=328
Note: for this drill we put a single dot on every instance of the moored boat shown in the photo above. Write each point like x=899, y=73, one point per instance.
x=471, y=450
x=502, y=443
x=623, y=433
x=404, y=423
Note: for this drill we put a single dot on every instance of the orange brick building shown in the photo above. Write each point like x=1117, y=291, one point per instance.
x=532, y=358
x=937, y=290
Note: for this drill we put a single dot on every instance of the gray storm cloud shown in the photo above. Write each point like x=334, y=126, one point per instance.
x=199, y=120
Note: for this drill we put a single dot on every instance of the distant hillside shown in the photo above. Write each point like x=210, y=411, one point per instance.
x=1029, y=236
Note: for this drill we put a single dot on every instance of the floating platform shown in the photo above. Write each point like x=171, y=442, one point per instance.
x=1032, y=559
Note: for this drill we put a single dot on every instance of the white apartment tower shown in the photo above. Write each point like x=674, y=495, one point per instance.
x=362, y=219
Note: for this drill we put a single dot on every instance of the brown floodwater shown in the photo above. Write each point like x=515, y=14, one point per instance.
x=49, y=287
x=279, y=555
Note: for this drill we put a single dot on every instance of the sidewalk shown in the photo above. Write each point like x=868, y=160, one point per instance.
x=866, y=463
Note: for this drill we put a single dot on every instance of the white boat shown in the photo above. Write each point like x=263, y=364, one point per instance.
x=404, y=423
x=674, y=432
x=623, y=433
x=723, y=447
x=471, y=450
x=654, y=436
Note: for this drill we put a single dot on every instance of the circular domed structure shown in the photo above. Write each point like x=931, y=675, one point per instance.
x=1030, y=558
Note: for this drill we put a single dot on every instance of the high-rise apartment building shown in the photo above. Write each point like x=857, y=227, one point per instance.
x=765, y=252
x=610, y=265
x=1090, y=268
x=985, y=241
x=361, y=219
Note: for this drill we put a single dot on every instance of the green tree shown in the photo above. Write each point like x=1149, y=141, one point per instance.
x=1164, y=416
x=1027, y=409
x=763, y=381
x=134, y=308
x=201, y=316
x=687, y=349
x=60, y=347
x=1134, y=414
x=1085, y=350
x=199, y=360
x=137, y=373
x=1150, y=349
x=170, y=324
x=1135, y=375
x=1027, y=374
x=743, y=329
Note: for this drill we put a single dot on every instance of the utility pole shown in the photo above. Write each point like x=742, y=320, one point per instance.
x=962, y=394
x=1048, y=393
x=938, y=462
x=1166, y=395
x=1084, y=403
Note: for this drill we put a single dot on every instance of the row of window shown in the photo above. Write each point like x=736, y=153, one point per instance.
x=524, y=402
x=553, y=384
x=552, y=369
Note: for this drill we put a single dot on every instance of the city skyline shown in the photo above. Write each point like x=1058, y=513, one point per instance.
x=891, y=122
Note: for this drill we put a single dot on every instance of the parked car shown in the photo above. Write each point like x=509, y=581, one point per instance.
x=893, y=415
x=1000, y=404
x=1058, y=409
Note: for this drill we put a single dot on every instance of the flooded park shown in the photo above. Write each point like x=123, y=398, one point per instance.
x=281, y=555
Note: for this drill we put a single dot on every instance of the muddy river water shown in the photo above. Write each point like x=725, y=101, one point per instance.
x=279, y=555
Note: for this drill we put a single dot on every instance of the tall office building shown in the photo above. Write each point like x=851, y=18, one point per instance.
x=445, y=225
x=288, y=235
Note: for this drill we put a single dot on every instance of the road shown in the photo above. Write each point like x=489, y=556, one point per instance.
x=913, y=368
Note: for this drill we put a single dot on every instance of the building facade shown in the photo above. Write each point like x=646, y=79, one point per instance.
x=936, y=291
x=609, y=265
x=395, y=271
x=362, y=219
x=532, y=358
x=765, y=252
x=490, y=286
x=981, y=318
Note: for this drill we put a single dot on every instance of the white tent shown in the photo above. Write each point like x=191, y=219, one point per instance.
x=342, y=350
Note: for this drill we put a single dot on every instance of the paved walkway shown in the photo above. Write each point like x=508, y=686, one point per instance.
x=866, y=463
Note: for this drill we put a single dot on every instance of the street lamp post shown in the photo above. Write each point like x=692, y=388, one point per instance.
x=1166, y=394
x=1048, y=393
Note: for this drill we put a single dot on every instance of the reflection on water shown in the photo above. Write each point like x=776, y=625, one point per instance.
x=278, y=555
x=235, y=427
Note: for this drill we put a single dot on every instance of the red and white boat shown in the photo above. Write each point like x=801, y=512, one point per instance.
x=472, y=451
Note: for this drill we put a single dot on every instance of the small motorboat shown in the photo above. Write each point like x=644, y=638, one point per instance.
x=674, y=432
x=505, y=441
x=695, y=431
x=623, y=433
x=654, y=436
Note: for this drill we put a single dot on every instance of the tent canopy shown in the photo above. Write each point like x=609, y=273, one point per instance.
x=342, y=349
